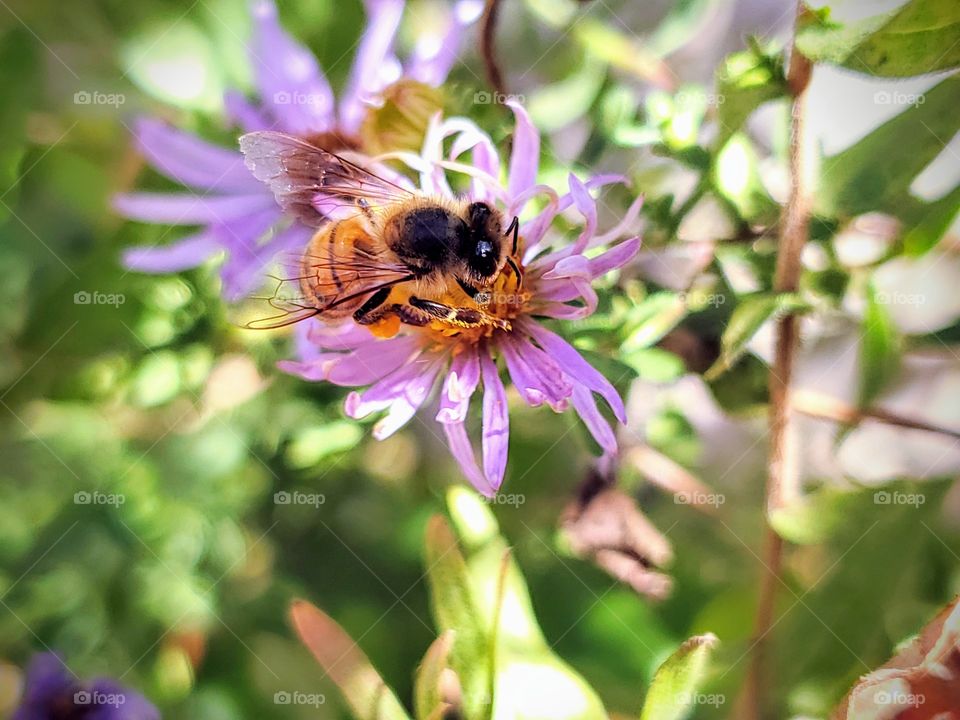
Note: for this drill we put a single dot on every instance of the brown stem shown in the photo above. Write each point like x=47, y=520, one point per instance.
x=823, y=406
x=488, y=31
x=783, y=478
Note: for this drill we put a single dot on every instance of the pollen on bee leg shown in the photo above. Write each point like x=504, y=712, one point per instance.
x=385, y=327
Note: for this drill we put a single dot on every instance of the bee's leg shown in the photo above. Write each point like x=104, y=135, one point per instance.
x=366, y=314
x=459, y=317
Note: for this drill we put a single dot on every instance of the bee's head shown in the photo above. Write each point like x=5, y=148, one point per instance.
x=481, y=245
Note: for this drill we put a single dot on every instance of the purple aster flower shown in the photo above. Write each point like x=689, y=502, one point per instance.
x=402, y=371
x=52, y=692
x=236, y=214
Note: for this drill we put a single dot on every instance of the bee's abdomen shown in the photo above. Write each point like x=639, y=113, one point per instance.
x=329, y=269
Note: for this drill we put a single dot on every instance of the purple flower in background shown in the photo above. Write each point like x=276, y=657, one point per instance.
x=557, y=282
x=52, y=692
x=235, y=212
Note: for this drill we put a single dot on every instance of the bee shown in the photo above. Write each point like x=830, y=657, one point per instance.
x=398, y=257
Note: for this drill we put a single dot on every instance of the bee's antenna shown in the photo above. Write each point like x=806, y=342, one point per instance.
x=515, y=229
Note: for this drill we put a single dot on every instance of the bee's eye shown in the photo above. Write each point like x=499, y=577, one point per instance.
x=484, y=249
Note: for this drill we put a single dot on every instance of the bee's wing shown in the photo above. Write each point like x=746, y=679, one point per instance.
x=305, y=178
x=357, y=275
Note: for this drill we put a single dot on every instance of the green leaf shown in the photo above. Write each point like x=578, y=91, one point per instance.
x=745, y=81
x=880, y=352
x=653, y=318
x=918, y=38
x=746, y=320
x=934, y=220
x=17, y=77
x=362, y=687
x=530, y=681
x=558, y=104
x=815, y=517
x=876, y=172
x=621, y=50
x=737, y=178
x=454, y=608
x=674, y=688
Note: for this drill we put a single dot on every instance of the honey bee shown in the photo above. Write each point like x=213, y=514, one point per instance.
x=402, y=258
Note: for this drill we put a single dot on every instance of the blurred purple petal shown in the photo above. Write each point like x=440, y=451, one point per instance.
x=288, y=77
x=383, y=20
x=191, y=161
x=183, y=209
x=403, y=384
x=434, y=56
x=247, y=259
x=244, y=113
x=51, y=691
x=184, y=254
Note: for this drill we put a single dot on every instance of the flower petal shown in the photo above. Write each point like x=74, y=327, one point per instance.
x=189, y=252
x=288, y=77
x=403, y=382
x=462, y=451
x=598, y=426
x=622, y=227
x=434, y=56
x=184, y=209
x=574, y=365
x=383, y=20
x=192, y=161
x=535, y=375
x=459, y=386
x=525, y=157
x=401, y=393
x=243, y=113
x=365, y=364
x=247, y=259
x=496, y=423
x=587, y=207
